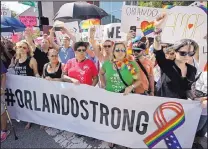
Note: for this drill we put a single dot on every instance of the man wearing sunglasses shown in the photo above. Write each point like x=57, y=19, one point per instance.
x=80, y=70
x=146, y=66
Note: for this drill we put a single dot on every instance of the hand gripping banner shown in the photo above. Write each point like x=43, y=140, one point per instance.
x=166, y=129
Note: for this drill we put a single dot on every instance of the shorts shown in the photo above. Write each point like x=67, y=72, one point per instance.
x=2, y=104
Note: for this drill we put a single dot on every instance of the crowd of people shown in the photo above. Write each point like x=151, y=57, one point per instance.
x=111, y=67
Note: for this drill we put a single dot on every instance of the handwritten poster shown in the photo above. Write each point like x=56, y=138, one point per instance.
x=28, y=21
x=185, y=22
x=73, y=28
x=141, y=17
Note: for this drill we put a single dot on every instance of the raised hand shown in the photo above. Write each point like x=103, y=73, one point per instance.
x=160, y=20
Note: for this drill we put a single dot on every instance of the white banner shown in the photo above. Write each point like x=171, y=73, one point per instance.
x=6, y=12
x=134, y=121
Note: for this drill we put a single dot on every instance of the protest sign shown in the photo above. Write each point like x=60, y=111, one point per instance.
x=28, y=21
x=185, y=22
x=73, y=28
x=141, y=17
x=202, y=57
x=6, y=12
x=135, y=121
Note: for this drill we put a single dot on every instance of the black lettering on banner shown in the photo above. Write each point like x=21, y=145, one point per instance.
x=28, y=99
x=45, y=103
x=118, y=32
x=82, y=102
x=63, y=99
x=104, y=114
x=18, y=94
x=110, y=33
x=127, y=120
x=55, y=103
x=118, y=118
x=74, y=107
x=146, y=119
x=35, y=102
x=94, y=110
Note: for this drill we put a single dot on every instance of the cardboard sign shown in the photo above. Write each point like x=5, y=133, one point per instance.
x=185, y=22
x=28, y=21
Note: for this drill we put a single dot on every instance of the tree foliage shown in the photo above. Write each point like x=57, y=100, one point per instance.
x=159, y=4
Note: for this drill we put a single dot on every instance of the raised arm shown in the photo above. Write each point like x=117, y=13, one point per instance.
x=51, y=38
x=72, y=37
x=29, y=38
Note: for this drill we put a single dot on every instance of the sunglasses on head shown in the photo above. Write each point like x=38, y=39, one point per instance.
x=182, y=53
x=107, y=46
x=81, y=50
x=120, y=50
x=22, y=47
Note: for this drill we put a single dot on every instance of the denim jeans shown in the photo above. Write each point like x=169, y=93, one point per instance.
x=202, y=126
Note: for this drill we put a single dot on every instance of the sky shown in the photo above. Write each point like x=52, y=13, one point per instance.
x=15, y=6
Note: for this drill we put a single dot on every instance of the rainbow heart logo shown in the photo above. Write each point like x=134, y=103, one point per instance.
x=147, y=27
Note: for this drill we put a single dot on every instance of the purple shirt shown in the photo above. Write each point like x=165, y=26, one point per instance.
x=3, y=68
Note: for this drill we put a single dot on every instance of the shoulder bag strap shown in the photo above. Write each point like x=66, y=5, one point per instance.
x=119, y=73
x=145, y=72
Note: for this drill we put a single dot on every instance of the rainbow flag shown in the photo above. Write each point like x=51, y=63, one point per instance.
x=147, y=27
x=167, y=6
x=86, y=24
x=162, y=133
x=203, y=7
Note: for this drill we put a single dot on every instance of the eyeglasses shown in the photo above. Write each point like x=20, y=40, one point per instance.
x=54, y=55
x=107, y=46
x=22, y=47
x=120, y=50
x=81, y=50
x=182, y=53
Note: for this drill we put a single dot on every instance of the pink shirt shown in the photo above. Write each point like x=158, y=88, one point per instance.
x=82, y=71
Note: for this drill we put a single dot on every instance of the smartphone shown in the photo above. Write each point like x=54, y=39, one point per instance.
x=58, y=28
x=133, y=28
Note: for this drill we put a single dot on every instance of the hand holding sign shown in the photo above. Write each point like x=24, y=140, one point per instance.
x=160, y=21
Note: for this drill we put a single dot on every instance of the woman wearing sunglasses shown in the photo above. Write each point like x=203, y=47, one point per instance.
x=80, y=70
x=53, y=69
x=24, y=63
x=178, y=75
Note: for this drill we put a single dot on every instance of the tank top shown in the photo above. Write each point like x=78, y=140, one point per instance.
x=53, y=75
x=23, y=69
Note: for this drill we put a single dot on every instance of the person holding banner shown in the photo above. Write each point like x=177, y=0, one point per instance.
x=25, y=64
x=4, y=130
x=178, y=74
x=80, y=70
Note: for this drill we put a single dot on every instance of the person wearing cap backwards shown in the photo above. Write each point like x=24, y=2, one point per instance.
x=65, y=51
x=146, y=86
x=179, y=76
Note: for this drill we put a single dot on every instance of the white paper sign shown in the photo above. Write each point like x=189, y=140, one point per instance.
x=6, y=12
x=202, y=57
x=125, y=120
x=185, y=22
x=73, y=28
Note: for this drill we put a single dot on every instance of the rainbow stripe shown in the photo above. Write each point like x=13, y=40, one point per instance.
x=167, y=6
x=204, y=8
x=162, y=133
x=147, y=28
x=86, y=24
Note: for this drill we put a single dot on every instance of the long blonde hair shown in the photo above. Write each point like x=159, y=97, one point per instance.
x=29, y=53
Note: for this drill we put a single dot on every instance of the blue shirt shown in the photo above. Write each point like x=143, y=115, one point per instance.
x=66, y=54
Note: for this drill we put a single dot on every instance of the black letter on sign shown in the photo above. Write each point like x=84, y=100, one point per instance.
x=19, y=98
x=55, y=102
x=45, y=103
x=128, y=120
x=115, y=126
x=118, y=32
x=146, y=119
x=76, y=107
x=28, y=99
x=65, y=105
x=82, y=102
x=94, y=109
x=35, y=102
x=110, y=34
x=104, y=114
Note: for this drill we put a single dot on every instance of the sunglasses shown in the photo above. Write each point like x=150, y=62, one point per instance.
x=182, y=53
x=22, y=47
x=81, y=50
x=107, y=46
x=120, y=50
x=54, y=55
x=137, y=51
